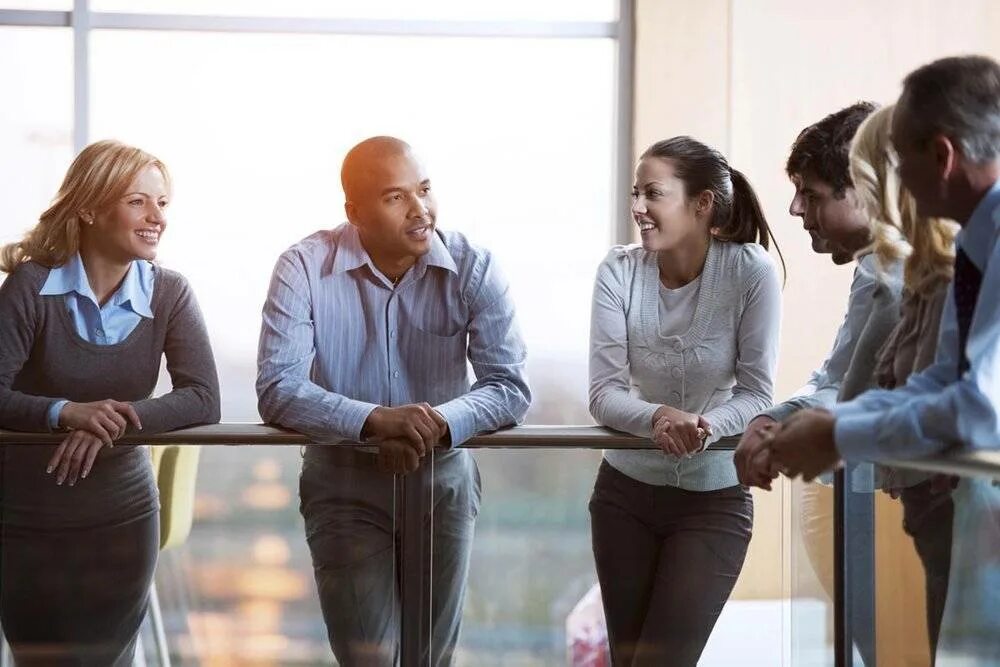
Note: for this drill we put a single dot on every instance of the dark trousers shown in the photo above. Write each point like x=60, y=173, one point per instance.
x=352, y=528
x=667, y=560
x=76, y=597
x=928, y=517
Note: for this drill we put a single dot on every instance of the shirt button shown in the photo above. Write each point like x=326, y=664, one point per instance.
x=676, y=372
x=395, y=374
x=678, y=346
x=392, y=334
x=676, y=396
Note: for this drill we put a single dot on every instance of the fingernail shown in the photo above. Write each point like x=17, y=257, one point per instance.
x=59, y=481
x=85, y=473
x=73, y=483
x=49, y=470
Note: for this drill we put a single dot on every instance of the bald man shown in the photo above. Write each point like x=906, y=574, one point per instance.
x=366, y=334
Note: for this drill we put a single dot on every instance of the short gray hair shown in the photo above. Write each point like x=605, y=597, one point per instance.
x=960, y=98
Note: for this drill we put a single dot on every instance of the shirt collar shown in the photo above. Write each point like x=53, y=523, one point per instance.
x=439, y=255
x=135, y=293
x=352, y=255
x=67, y=278
x=977, y=237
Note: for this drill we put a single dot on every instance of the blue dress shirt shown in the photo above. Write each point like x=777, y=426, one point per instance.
x=940, y=408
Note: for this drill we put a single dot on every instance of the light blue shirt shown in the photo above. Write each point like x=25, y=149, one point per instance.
x=102, y=325
x=338, y=339
x=823, y=386
x=936, y=409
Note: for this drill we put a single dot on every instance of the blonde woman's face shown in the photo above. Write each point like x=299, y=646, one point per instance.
x=131, y=227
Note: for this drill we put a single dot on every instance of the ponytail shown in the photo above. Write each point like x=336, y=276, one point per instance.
x=746, y=222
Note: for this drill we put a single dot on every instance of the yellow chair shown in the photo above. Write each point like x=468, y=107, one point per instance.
x=176, y=470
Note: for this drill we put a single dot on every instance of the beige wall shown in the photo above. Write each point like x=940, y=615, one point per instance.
x=746, y=76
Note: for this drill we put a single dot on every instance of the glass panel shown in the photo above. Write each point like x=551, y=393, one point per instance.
x=531, y=563
x=455, y=10
x=243, y=588
x=811, y=568
x=532, y=596
x=971, y=617
x=913, y=530
x=36, y=122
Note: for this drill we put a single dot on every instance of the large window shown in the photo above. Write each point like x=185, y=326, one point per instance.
x=36, y=122
x=513, y=106
x=254, y=127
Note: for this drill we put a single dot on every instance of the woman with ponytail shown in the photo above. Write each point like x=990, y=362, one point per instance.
x=683, y=351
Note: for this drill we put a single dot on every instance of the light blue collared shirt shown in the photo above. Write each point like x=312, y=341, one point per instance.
x=936, y=409
x=102, y=325
x=338, y=339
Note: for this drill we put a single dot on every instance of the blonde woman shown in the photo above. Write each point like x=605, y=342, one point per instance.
x=85, y=318
x=927, y=244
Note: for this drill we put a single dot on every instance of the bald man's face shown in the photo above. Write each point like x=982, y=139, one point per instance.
x=391, y=203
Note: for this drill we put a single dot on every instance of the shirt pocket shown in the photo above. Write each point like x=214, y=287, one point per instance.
x=437, y=362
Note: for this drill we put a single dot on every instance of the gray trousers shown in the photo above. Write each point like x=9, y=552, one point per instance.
x=352, y=526
x=667, y=560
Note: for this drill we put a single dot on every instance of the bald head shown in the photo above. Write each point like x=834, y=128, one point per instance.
x=365, y=164
x=388, y=198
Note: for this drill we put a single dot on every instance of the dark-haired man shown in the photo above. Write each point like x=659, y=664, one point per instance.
x=825, y=200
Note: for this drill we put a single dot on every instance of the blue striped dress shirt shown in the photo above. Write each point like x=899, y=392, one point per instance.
x=339, y=339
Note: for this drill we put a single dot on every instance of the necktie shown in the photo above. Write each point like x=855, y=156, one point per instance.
x=968, y=280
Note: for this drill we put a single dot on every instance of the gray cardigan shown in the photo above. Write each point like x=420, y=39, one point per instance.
x=43, y=359
x=723, y=367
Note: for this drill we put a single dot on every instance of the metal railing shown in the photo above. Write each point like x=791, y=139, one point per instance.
x=415, y=492
x=982, y=463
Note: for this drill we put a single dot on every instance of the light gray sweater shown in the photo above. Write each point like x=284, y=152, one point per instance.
x=723, y=367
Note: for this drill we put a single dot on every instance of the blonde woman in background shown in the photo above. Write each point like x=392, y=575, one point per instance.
x=927, y=246
x=85, y=319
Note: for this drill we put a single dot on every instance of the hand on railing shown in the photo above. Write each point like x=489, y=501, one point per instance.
x=419, y=423
x=753, y=457
x=105, y=419
x=397, y=456
x=75, y=456
x=679, y=433
x=803, y=444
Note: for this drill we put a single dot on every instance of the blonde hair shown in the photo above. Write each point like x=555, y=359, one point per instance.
x=898, y=231
x=100, y=175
